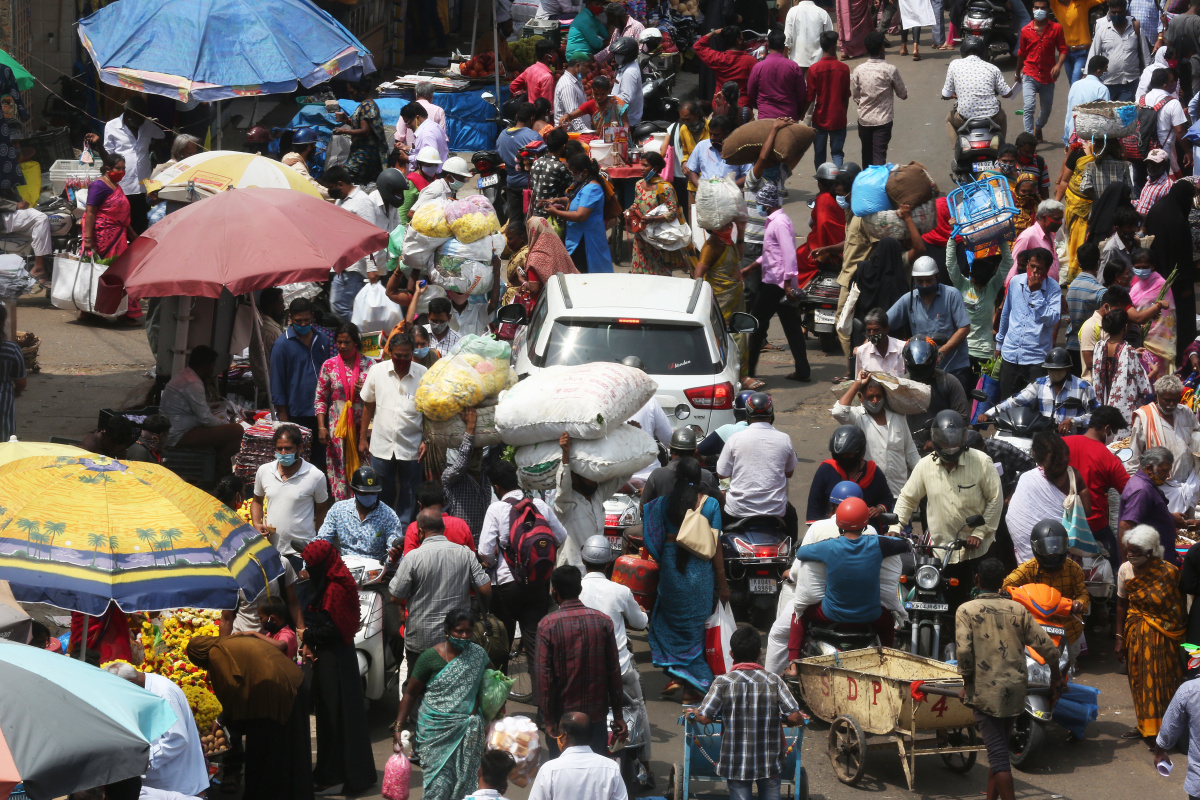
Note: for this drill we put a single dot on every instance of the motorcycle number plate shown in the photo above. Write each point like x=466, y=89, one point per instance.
x=490, y=180
x=1054, y=630
x=762, y=585
x=914, y=605
x=984, y=166
x=615, y=543
x=824, y=317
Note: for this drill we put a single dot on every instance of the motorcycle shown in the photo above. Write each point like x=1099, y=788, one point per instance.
x=1045, y=603
x=623, y=519
x=657, y=102
x=1101, y=586
x=627, y=750
x=756, y=550
x=373, y=643
x=65, y=231
x=1017, y=425
x=819, y=307
x=992, y=21
x=975, y=148
x=929, y=609
x=493, y=180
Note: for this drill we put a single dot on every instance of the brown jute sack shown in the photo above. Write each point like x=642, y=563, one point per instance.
x=911, y=184
x=744, y=144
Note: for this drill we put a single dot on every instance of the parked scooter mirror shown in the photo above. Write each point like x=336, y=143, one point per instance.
x=889, y=519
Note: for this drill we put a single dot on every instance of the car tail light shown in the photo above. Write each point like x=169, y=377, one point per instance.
x=716, y=397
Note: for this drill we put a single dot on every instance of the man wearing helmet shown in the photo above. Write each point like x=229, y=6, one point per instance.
x=628, y=80
x=1048, y=393
x=662, y=480
x=945, y=391
x=388, y=196
x=978, y=86
x=304, y=150
x=362, y=526
x=758, y=462
x=957, y=483
x=852, y=573
x=934, y=311
x=1050, y=566
x=848, y=462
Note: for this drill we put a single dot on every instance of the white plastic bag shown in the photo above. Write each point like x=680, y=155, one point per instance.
x=845, y=323
x=373, y=311
x=465, y=277
x=587, y=401
x=419, y=250
x=621, y=453
x=337, y=151
x=718, y=203
x=74, y=286
x=718, y=629
x=665, y=231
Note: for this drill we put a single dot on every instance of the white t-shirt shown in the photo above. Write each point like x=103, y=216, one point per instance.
x=291, y=502
x=653, y=420
x=1169, y=116
x=472, y=320
x=757, y=461
x=617, y=602
x=176, y=757
x=810, y=575
x=396, y=427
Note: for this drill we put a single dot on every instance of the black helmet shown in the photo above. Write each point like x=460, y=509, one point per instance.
x=645, y=130
x=1049, y=542
x=624, y=46
x=847, y=441
x=949, y=435
x=1058, y=358
x=684, y=440
x=920, y=359
x=973, y=46
x=633, y=361
x=739, y=404
x=365, y=480
x=759, y=407
x=392, y=184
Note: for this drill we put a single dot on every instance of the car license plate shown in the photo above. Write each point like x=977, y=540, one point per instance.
x=762, y=586
x=1054, y=630
x=824, y=317
x=918, y=606
x=616, y=543
x=490, y=180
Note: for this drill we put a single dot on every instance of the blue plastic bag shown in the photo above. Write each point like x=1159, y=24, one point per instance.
x=868, y=195
x=989, y=386
x=1078, y=706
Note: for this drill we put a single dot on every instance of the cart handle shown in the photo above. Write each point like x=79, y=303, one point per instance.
x=919, y=689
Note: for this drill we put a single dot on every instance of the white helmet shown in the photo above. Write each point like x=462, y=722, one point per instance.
x=648, y=34
x=596, y=550
x=924, y=267
x=457, y=165
x=429, y=155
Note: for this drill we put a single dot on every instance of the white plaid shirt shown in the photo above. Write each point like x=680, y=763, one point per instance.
x=1041, y=393
x=750, y=703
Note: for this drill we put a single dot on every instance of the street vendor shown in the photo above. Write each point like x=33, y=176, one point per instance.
x=193, y=424
x=588, y=34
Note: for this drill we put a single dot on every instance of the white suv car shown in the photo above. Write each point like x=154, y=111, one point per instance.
x=672, y=324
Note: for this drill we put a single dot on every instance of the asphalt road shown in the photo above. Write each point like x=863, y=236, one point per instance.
x=87, y=367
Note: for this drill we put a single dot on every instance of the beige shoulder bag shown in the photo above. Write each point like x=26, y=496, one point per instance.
x=695, y=535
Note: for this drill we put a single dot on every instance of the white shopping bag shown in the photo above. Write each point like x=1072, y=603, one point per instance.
x=75, y=283
x=718, y=629
x=373, y=311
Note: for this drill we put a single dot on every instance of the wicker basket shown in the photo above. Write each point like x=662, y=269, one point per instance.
x=29, y=345
x=1105, y=118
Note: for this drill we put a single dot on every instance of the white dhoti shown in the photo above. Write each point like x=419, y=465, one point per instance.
x=32, y=223
x=1182, y=495
x=776, y=660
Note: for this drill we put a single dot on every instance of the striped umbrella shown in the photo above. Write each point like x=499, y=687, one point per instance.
x=79, y=532
x=66, y=726
x=217, y=170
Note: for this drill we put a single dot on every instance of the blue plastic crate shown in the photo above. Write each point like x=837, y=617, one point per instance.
x=983, y=211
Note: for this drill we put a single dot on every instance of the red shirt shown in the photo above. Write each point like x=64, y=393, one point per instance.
x=940, y=234
x=1101, y=471
x=457, y=531
x=728, y=65
x=1041, y=50
x=829, y=89
x=537, y=80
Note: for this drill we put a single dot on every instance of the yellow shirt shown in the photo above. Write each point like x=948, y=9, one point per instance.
x=1069, y=581
x=1073, y=16
x=971, y=487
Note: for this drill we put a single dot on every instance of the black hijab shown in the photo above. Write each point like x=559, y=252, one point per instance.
x=1167, y=222
x=1104, y=211
x=881, y=278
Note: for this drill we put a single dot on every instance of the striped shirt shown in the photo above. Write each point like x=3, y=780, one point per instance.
x=1083, y=298
x=750, y=703
x=1040, y=395
x=1152, y=192
x=12, y=368
x=437, y=578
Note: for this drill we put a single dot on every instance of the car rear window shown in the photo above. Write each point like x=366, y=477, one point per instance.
x=665, y=348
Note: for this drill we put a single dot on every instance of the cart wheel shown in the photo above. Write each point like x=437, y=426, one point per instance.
x=802, y=785
x=847, y=749
x=958, y=737
x=676, y=789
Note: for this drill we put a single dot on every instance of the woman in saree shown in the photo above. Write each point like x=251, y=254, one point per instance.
x=445, y=681
x=1120, y=378
x=583, y=212
x=1077, y=200
x=1150, y=291
x=718, y=266
x=686, y=584
x=106, y=221
x=343, y=742
x=1166, y=221
x=1151, y=623
x=604, y=110
x=649, y=193
x=545, y=257
x=827, y=227
x=368, y=142
x=1026, y=199
x=339, y=408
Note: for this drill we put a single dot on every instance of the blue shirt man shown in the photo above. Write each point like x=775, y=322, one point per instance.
x=1050, y=391
x=852, y=564
x=1088, y=90
x=509, y=145
x=937, y=312
x=706, y=161
x=361, y=529
x=1032, y=309
x=296, y=360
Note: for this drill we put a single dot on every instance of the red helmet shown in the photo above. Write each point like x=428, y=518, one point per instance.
x=258, y=135
x=852, y=515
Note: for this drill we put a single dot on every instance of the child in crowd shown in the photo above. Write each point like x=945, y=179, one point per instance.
x=273, y=615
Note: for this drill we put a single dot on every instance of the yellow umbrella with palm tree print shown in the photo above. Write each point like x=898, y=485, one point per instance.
x=80, y=531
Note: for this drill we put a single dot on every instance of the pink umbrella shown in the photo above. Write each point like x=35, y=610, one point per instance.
x=241, y=240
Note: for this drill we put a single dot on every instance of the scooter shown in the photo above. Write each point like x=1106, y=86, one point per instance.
x=975, y=148
x=373, y=643
x=627, y=750
x=1048, y=607
x=1018, y=424
x=657, y=102
x=756, y=550
x=623, y=519
x=992, y=21
x=1101, y=586
x=493, y=179
x=65, y=231
x=925, y=599
x=819, y=307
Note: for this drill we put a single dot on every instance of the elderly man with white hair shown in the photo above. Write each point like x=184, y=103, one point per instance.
x=1168, y=423
x=176, y=757
x=424, y=95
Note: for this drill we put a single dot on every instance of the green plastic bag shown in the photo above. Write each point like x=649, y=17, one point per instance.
x=485, y=346
x=395, y=246
x=493, y=692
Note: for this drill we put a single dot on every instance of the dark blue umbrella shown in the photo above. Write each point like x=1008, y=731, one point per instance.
x=219, y=49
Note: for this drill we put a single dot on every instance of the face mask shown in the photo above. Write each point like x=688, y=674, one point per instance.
x=429, y=172
x=367, y=500
x=420, y=352
x=439, y=328
x=286, y=459
x=402, y=364
x=696, y=127
x=1006, y=168
x=1142, y=273
x=873, y=407
x=454, y=184
x=302, y=330
x=926, y=291
x=842, y=201
x=271, y=626
x=1040, y=14
x=456, y=644
x=1051, y=227
x=1118, y=19
x=116, y=175
x=877, y=339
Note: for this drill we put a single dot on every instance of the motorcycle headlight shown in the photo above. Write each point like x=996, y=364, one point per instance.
x=1037, y=673
x=928, y=577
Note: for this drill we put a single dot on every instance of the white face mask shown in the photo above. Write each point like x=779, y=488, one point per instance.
x=1040, y=14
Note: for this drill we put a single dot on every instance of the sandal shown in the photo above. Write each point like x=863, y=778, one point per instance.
x=842, y=379
x=916, y=56
x=1133, y=733
x=792, y=376
x=669, y=690
x=753, y=384
x=771, y=348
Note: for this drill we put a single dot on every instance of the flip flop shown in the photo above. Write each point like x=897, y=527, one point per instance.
x=1132, y=734
x=916, y=56
x=771, y=348
x=753, y=385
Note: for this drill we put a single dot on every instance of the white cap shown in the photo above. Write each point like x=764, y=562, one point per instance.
x=429, y=155
x=458, y=166
x=924, y=267
x=649, y=33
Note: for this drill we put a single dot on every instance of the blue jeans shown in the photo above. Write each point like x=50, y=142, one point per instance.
x=400, y=481
x=937, y=34
x=1076, y=61
x=768, y=789
x=836, y=141
x=1122, y=91
x=342, y=290
x=1032, y=90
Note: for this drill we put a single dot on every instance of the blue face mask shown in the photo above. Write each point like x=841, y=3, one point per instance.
x=420, y=352
x=457, y=644
x=1142, y=273
x=367, y=500
x=287, y=459
x=928, y=290
x=302, y=330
